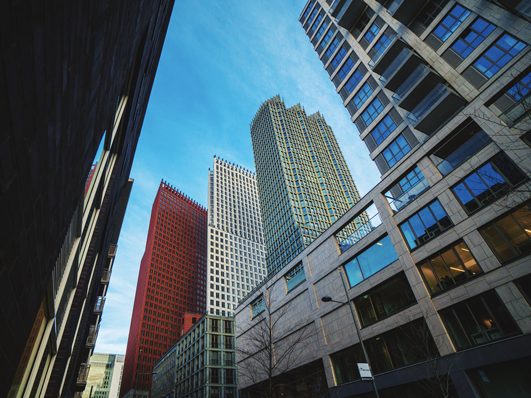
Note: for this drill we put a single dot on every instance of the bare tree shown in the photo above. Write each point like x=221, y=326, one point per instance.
x=438, y=376
x=269, y=348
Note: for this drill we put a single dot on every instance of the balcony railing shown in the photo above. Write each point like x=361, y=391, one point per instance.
x=106, y=276
x=100, y=302
x=517, y=111
x=82, y=376
x=393, y=67
x=92, y=335
x=409, y=196
x=427, y=103
x=361, y=226
x=407, y=84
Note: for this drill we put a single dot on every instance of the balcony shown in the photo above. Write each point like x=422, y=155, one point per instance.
x=92, y=336
x=98, y=307
x=382, y=57
x=404, y=10
x=395, y=66
x=408, y=83
x=106, y=276
x=413, y=91
x=82, y=376
x=434, y=111
x=347, y=12
x=359, y=227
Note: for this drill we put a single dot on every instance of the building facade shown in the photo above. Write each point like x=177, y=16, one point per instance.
x=201, y=364
x=105, y=376
x=304, y=184
x=439, y=283
x=59, y=233
x=236, y=250
x=171, y=282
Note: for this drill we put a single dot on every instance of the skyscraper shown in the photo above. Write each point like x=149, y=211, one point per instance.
x=171, y=282
x=236, y=261
x=75, y=78
x=304, y=184
x=440, y=281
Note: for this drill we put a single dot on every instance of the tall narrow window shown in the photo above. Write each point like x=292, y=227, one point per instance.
x=372, y=32
x=373, y=110
x=295, y=277
x=383, y=129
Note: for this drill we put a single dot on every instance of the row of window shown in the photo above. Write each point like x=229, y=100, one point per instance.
x=475, y=321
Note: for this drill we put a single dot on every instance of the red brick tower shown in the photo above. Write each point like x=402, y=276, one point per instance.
x=171, y=281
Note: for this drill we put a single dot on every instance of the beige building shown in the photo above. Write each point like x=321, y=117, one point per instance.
x=105, y=376
x=435, y=292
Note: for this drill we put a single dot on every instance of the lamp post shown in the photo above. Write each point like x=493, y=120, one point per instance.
x=327, y=299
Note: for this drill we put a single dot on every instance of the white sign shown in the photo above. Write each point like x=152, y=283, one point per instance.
x=365, y=370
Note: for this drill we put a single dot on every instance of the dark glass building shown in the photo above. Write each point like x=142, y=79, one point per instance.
x=75, y=79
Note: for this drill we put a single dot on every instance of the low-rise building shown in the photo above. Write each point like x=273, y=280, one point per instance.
x=104, y=376
x=201, y=364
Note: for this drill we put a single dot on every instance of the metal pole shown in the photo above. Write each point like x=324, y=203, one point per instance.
x=342, y=276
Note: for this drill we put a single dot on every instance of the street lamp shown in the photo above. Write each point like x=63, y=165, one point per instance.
x=328, y=299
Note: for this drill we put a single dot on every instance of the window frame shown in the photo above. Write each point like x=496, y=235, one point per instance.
x=393, y=154
x=492, y=65
x=470, y=44
x=451, y=22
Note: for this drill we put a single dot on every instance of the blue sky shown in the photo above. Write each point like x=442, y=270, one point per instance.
x=220, y=61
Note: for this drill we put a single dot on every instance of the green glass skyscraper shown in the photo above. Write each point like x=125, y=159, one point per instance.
x=304, y=184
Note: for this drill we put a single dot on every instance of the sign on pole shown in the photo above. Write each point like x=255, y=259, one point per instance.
x=365, y=370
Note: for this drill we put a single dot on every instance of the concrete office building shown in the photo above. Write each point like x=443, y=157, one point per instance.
x=304, y=184
x=171, y=283
x=440, y=284
x=236, y=251
x=75, y=77
x=201, y=364
x=105, y=376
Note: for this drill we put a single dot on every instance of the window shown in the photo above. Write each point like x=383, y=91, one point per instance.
x=472, y=37
x=337, y=59
x=376, y=257
x=520, y=90
x=404, y=345
x=351, y=83
x=362, y=21
x=509, y=237
x=465, y=142
x=343, y=72
x=320, y=32
x=326, y=39
x=396, y=150
x=295, y=277
x=449, y=267
x=380, y=46
x=503, y=379
x=315, y=24
x=371, y=33
x=331, y=49
x=384, y=300
x=382, y=130
x=257, y=306
x=451, y=22
x=524, y=284
x=373, y=110
x=478, y=320
x=344, y=364
x=488, y=183
x=498, y=55
x=215, y=325
x=426, y=224
x=362, y=95
x=407, y=189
